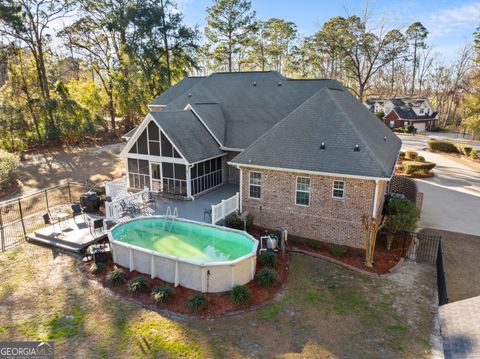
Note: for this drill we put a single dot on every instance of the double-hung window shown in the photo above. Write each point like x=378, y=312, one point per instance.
x=302, y=196
x=255, y=185
x=338, y=189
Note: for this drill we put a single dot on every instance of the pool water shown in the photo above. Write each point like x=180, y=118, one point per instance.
x=185, y=240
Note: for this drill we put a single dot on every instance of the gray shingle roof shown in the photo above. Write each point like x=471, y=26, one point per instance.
x=251, y=102
x=176, y=90
x=188, y=134
x=212, y=115
x=407, y=113
x=337, y=118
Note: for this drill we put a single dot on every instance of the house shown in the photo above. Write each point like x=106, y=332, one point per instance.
x=405, y=111
x=306, y=154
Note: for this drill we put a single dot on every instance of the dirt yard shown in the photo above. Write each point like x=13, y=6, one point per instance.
x=50, y=167
x=325, y=311
x=461, y=253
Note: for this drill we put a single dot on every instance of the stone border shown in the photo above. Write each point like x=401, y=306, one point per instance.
x=348, y=266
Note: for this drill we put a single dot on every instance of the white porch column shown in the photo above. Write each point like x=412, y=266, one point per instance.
x=189, y=180
x=241, y=191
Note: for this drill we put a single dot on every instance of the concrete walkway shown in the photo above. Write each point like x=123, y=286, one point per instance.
x=460, y=325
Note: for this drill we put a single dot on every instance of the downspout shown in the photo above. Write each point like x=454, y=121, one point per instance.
x=240, y=200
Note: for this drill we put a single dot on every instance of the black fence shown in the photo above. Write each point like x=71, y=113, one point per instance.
x=441, y=281
x=23, y=215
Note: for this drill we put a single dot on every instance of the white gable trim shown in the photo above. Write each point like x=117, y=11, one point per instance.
x=189, y=107
x=137, y=134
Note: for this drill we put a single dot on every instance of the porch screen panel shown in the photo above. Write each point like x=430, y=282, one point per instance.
x=138, y=173
x=174, y=178
x=206, y=175
x=142, y=143
x=153, y=139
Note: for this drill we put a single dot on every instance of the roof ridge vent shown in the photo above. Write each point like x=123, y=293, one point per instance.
x=254, y=83
x=279, y=83
x=189, y=94
x=322, y=145
x=356, y=148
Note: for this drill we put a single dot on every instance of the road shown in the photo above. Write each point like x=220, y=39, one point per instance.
x=452, y=196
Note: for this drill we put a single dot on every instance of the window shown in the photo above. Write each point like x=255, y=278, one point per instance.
x=138, y=173
x=255, y=185
x=303, y=191
x=338, y=189
x=422, y=110
x=392, y=124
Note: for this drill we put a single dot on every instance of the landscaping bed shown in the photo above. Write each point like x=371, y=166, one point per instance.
x=384, y=260
x=218, y=303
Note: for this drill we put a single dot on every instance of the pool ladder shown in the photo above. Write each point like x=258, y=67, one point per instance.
x=170, y=218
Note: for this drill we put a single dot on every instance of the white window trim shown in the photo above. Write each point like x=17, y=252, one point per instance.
x=249, y=184
x=309, y=191
x=333, y=191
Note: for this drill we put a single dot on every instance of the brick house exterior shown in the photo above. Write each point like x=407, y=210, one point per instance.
x=393, y=120
x=326, y=218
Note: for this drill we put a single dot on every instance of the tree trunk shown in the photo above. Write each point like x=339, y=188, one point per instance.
x=414, y=65
x=166, y=46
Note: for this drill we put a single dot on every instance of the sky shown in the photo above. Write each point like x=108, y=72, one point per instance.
x=451, y=23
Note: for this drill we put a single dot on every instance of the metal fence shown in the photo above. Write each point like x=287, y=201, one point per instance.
x=441, y=280
x=23, y=215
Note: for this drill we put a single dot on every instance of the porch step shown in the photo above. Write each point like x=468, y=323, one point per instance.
x=56, y=243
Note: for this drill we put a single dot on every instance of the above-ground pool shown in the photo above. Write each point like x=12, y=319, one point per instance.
x=195, y=255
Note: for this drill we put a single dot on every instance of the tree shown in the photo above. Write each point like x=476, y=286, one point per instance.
x=397, y=47
x=416, y=35
x=277, y=36
x=363, y=52
x=230, y=23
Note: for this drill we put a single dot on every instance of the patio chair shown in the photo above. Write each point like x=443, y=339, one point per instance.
x=95, y=225
x=148, y=199
x=207, y=212
x=49, y=221
x=77, y=210
x=127, y=208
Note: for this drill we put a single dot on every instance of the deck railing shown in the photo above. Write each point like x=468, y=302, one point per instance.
x=116, y=188
x=113, y=209
x=224, y=208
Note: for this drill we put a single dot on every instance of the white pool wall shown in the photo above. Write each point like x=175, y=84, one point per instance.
x=212, y=277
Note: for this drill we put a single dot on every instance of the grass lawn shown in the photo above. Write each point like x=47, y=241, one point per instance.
x=325, y=311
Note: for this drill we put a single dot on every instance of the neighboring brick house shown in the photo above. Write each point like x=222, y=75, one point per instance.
x=405, y=111
x=306, y=154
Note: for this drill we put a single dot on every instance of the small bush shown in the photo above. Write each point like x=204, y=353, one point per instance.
x=8, y=169
x=96, y=268
x=234, y=221
x=116, y=276
x=313, y=244
x=267, y=277
x=399, y=130
x=420, y=159
x=138, y=284
x=410, y=155
x=411, y=129
x=197, y=302
x=474, y=154
x=442, y=146
x=464, y=149
x=239, y=295
x=162, y=294
x=338, y=250
x=401, y=155
x=293, y=239
x=269, y=259
x=412, y=167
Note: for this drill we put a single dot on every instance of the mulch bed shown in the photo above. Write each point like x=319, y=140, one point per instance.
x=384, y=260
x=218, y=303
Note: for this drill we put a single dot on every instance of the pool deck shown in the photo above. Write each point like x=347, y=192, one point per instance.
x=194, y=209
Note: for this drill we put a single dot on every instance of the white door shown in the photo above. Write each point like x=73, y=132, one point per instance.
x=420, y=126
x=156, y=176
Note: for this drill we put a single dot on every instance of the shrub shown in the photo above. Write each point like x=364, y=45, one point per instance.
x=234, y=221
x=162, y=294
x=96, y=268
x=313, y=244
x=240, y=295
x=399, y=130
x=269, y=259
x=338, y=250
x=401, y=155
x=411, y=167
x=116, y=276
x=267, y=277
x=464, y=149
x=402, y=215
x=197, y=302
x=443, y=146
x=474, y=153
x=420, y=159
x=411, y=129
x=410, y=155
x=293, y=239
x=380, y=115
x=8, y=169
x=138, y=284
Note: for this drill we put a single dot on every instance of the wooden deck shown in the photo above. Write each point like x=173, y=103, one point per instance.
x=73, y=235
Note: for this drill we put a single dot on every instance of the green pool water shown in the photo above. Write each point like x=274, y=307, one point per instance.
x=184, y=239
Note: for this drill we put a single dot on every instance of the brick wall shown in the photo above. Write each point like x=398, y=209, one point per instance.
x=392, y=116
x=326, y=219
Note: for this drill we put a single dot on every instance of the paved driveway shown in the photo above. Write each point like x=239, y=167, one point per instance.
x=452, y=196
